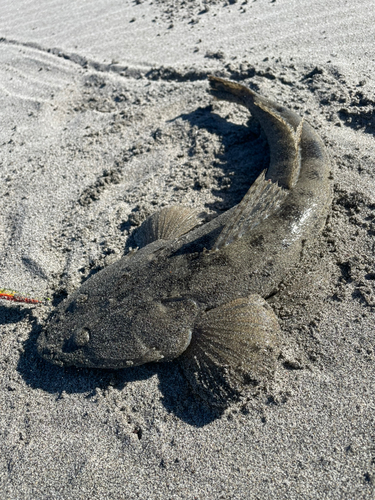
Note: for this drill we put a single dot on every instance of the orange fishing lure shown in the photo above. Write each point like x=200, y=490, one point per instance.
x=17, y=297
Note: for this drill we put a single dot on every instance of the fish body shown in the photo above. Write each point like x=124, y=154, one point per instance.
x=196, y=292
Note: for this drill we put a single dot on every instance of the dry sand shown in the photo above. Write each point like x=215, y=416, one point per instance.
x=105, y=118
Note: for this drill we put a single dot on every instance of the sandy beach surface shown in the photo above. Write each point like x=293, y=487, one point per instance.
x=105, y=118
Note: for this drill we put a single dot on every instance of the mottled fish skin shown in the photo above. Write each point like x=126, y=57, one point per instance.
x=199, y=295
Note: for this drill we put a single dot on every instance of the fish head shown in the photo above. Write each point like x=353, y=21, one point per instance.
x=122, y=316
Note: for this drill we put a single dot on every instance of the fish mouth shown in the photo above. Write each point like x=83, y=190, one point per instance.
x=55, y=354
x=68, y=356
x=63, y=350
x=66, y=352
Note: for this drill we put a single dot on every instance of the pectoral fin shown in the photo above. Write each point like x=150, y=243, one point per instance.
x=168, y=223
x=233, y=346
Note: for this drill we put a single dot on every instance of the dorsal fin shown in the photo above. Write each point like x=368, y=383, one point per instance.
x=262, y=199
x=168, y=223
x=295, y=135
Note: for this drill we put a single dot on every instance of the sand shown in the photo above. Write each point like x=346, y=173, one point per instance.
x=105, y=119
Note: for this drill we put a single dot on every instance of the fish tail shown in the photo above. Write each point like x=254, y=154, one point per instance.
x=225, y=90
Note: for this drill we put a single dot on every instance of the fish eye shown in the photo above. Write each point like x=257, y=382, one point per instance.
x=82, y=297
x=81, y=337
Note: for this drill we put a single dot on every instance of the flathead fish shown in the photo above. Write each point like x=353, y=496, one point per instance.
x=196, y=293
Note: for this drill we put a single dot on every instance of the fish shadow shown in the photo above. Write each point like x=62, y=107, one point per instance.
x=177, y=396
x=13, y=314
x=245, y=153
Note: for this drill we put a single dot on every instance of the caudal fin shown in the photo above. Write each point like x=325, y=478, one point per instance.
x=225, y=90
